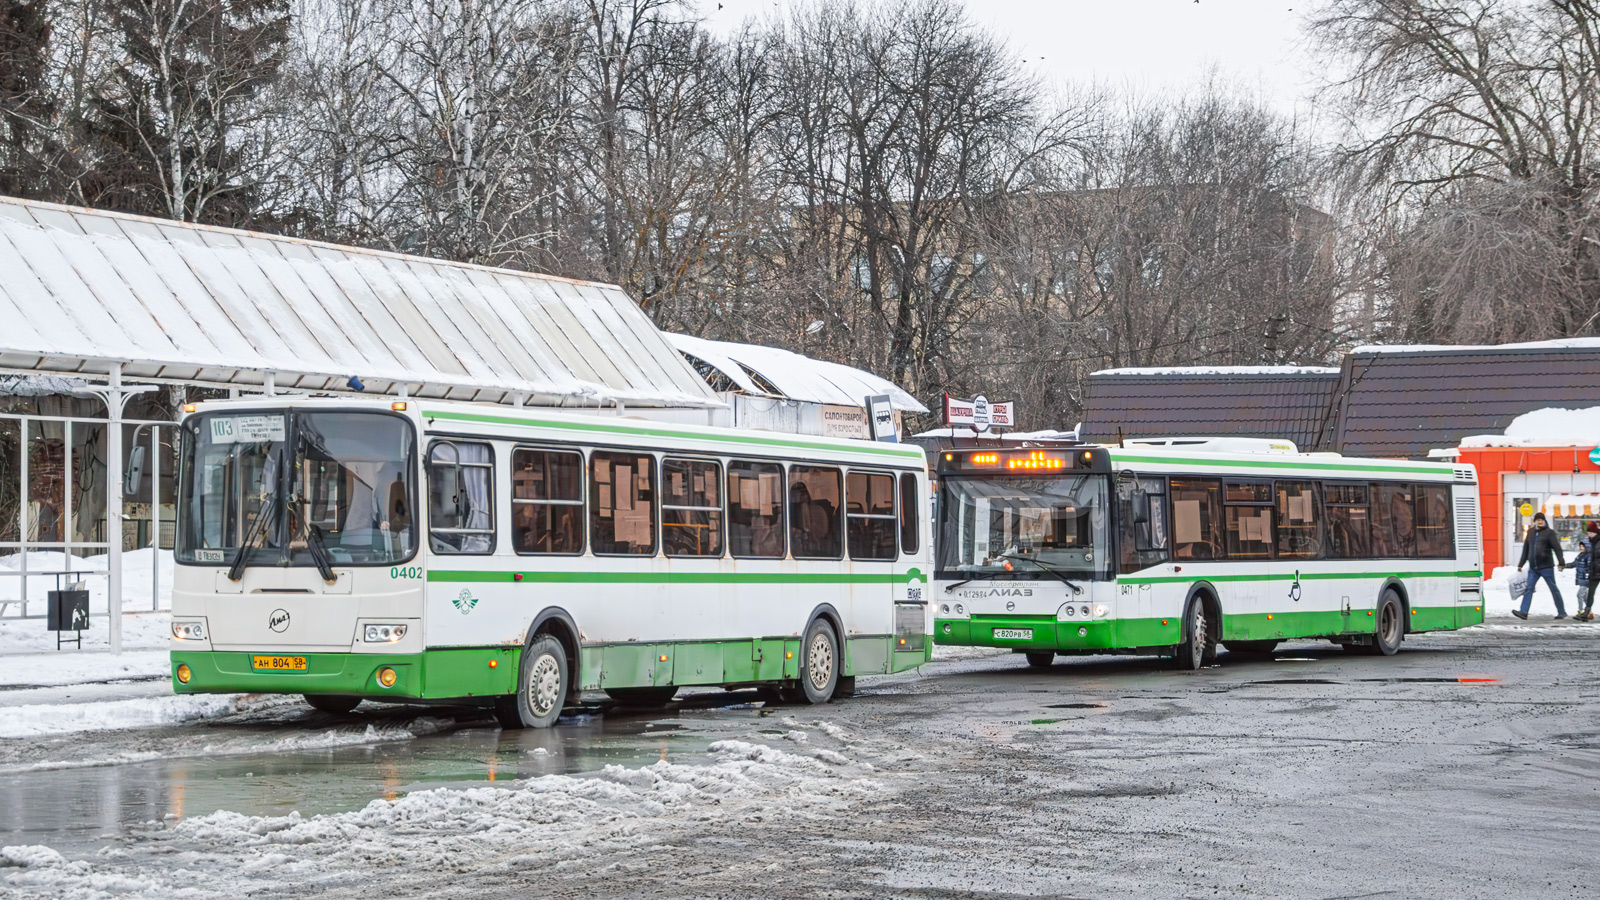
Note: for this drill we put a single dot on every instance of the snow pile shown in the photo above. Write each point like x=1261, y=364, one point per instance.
x=1578, y=343
x=137, y=572
x=1219, y=370
x=1498, y=601
x=1549, y=427
x=418, y=843
x=36, y=720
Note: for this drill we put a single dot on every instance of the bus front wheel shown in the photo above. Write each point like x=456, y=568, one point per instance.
x=541, y=687
x=1196, y=648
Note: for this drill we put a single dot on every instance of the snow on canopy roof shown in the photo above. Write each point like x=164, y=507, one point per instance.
x=795, y=376
x=1577, y=343
x=84, y=289
x=1549, y=427
x=1048, y=434
x=1220, y=370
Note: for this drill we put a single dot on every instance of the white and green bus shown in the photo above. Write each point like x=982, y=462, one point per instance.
x=412, y=550
x=1176, y=547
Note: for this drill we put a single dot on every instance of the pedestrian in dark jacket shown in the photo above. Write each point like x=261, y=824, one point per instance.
x=1588, y=574
x=1541, y=551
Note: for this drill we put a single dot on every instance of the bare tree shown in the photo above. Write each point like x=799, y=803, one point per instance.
x=1473, y=132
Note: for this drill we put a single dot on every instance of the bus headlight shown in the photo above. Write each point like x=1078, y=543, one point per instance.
x=189, y=631
x=384, y=634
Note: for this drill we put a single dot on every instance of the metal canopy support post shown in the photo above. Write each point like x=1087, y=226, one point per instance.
x=115, y=397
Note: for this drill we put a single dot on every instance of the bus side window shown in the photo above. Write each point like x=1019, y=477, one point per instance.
x=1299, y=526
x=869, y=515
x=814, y=508
x=909, y=523
x=461, y=497
x=622, y=504
x=1196, y=519
x=547, y=502
x=1249, y=517
x=1435, y=531
x=1349, y=522
x=691, y=507
x=1393, y=521
x=1142, y=513
x=755, y=510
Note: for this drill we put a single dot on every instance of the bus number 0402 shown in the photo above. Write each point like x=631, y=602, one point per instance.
x=406, y=572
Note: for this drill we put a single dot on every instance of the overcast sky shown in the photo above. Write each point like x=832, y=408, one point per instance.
x=1146, y=45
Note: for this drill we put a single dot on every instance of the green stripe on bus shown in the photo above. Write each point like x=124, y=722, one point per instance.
x=910, y=575
x=1291, y=576
x=1267, y=462
x=908, y=454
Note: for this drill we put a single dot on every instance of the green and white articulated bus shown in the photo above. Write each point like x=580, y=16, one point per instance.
x=1175, y=547
x=412, y=550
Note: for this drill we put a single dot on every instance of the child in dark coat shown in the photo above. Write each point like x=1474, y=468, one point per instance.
x=1588, y=569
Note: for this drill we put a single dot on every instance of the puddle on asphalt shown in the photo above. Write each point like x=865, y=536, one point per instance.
x=1076, y=706
x=79, y=808
x=1296, y=681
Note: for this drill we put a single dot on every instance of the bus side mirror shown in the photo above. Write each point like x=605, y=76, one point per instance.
x=133, y=475
x=1141, y=508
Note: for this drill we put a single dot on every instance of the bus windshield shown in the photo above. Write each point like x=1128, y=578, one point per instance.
x=290, y=486
x=1034, y=524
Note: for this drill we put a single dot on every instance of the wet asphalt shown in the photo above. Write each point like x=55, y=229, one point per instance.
x=1466, y=766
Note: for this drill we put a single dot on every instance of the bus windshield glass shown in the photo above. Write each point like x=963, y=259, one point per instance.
x=1036, y=525
x=289, y=486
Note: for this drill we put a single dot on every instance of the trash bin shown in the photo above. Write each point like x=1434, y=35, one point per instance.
x=67, y=610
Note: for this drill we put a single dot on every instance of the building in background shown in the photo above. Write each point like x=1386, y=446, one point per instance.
x=1290, y=402
x=1546, y=461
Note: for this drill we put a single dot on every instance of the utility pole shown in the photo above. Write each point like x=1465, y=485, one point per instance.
x=115, y=397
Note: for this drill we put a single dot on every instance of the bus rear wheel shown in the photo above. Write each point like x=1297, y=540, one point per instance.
x=541, y=687
x=337, y=704
x=1196, y=649
x=1391, y=629
x=819, y=665
x=1041, y=659
x=643, y=696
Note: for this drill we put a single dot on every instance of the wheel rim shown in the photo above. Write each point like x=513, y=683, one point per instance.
x=1391, y=623
x=819, y=661
x=1197, y=636
x=544, y=685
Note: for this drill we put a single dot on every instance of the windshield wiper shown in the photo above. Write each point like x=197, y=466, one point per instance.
x=319, y=553
x=950, y=587
x=236, y=568
x=1051, y=569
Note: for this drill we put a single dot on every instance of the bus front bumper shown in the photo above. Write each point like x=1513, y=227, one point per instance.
x=474, y=672
x=1038, y=633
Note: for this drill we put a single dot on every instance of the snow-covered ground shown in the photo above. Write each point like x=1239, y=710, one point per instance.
x=404, y=845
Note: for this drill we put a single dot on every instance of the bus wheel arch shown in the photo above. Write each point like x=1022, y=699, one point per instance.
x=558, y=623
x=1198, y=648
x=1399, y=588
x=804, y=690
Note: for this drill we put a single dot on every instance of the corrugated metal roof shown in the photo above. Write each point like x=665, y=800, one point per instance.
x=1403, y=404
x=81, y=288
x=1176, y=402
x=797, y=377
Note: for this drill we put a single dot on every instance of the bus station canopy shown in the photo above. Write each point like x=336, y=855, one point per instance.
x=82, y=291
